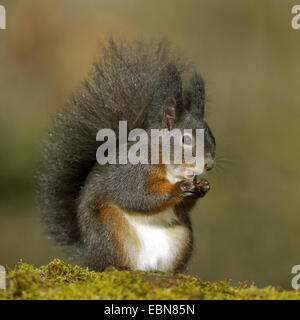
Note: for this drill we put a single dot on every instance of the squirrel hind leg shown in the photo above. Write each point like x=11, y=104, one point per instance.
x=108, y=240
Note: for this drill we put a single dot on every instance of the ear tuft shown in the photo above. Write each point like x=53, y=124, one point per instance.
x=167, y=100
x=170, y=112
x=171, y=83
x=194, y=96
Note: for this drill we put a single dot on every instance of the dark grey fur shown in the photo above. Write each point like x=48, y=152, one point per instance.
x=130, y=82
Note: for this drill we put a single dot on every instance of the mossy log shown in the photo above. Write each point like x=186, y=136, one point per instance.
x=59, y=280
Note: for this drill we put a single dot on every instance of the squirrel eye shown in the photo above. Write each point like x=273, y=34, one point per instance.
x=187, y=140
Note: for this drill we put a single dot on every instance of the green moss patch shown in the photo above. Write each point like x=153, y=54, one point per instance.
x=59, y=280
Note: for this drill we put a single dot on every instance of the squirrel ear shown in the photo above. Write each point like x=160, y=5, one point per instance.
x=170, y=113
x=194, y=96
x=171, y=82
x=168, y=96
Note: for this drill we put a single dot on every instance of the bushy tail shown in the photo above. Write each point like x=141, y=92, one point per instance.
x=120, y=87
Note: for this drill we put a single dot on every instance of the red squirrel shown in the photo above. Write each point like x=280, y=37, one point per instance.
x=128, y=216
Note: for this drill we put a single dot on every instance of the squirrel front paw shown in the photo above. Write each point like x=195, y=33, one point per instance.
x=194, y=189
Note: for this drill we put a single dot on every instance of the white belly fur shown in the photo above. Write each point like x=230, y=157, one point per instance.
x=160, y=241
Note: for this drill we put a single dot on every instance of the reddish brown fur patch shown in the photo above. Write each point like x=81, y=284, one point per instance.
x=158, y=183
x=121, y=233
x=160, y=186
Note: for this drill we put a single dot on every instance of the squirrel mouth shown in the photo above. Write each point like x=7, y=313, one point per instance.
x=189, y=173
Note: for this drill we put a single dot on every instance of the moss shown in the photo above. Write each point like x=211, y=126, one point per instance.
x=58, y=280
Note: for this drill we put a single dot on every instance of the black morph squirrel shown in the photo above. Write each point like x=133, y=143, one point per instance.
x=124, y=215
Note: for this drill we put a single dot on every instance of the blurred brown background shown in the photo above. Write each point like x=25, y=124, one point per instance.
x=247, y=228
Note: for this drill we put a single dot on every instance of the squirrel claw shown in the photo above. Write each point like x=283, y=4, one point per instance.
x=202, y=186
x=190, y=188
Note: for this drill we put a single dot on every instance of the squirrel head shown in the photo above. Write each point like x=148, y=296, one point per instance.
x=174, y=108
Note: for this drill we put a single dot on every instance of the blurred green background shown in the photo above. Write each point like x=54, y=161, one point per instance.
x=247, y=228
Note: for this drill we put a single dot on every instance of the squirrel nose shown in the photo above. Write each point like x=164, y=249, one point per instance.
x=209, y=165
